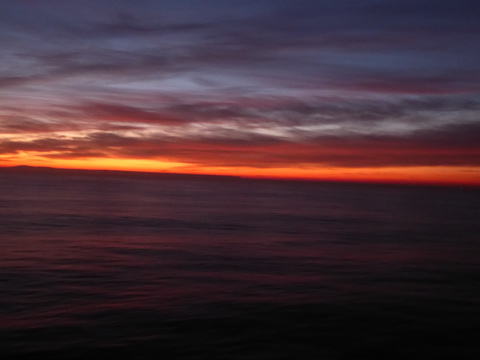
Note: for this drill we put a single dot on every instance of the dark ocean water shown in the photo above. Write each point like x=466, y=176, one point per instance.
x=236, y=269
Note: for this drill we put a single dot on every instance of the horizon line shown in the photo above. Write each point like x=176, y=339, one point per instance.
x=417, y=183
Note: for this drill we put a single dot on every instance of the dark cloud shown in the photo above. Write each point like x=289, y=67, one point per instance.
x=19, y=125
x=39, y=145
x=126, y=24
x=130, y=114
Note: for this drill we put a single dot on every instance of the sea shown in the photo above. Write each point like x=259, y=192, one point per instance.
x=227, y=268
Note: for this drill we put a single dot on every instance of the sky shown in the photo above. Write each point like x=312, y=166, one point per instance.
x=371, y=90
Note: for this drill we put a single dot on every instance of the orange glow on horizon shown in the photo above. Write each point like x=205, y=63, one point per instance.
x=441, y=175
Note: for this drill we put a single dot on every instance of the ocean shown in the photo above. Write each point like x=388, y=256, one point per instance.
x=227, y=268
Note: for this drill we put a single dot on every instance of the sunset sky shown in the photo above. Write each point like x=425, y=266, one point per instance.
x=383, y=90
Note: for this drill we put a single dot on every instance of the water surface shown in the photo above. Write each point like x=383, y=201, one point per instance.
x=236, y=269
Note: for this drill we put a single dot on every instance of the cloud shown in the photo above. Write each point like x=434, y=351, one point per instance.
x=338, y=45
x=129, y=114
x=19, y=125
x=262, y=84
x=455, y=145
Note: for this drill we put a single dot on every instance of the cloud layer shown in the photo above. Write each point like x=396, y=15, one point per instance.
x=258, y=84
